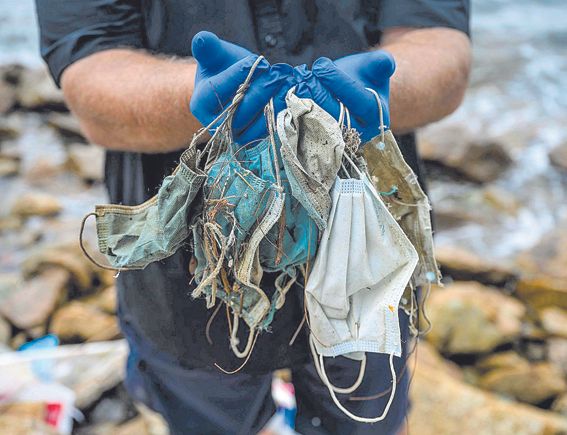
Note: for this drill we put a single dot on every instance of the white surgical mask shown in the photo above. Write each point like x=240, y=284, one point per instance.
x=363, y=265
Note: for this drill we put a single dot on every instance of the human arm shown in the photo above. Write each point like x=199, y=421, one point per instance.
x=432, y=69
x=132, y=101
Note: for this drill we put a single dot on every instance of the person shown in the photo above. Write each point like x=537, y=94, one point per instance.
x=128, y=74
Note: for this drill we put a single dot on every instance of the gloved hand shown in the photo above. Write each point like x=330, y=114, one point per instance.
x=222, y=68
x=347, y=78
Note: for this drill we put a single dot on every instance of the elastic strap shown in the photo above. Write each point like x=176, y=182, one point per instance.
x=381, y=113
x=234, y=339
x=350, y=414
x=82, y=245
x=318, y=364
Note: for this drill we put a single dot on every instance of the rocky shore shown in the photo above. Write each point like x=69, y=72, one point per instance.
x=495, y=361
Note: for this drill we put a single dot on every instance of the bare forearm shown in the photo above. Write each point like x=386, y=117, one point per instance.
x=432, y=68
x=132, y=101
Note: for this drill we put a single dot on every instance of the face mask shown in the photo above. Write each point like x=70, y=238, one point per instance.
x=362, y=267
x=310, y=162
x=293, y=240
x=239, y=209
x=131, y=237
x=406, y=201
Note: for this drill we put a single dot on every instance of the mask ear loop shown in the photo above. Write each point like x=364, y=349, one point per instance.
x=84, y=249
x=381, y=115
x=318, y=364
x=330, y=387
x=234, y=338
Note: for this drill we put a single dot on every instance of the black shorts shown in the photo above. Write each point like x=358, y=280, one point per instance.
x=207, y=401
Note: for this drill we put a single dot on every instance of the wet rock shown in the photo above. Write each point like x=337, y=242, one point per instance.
x=501, y=200
x=558, y=157
x=543, y=291
x=36, y=90
x=5, y=332
x=10, y=223
x=83, y=322
x=7, y=97
x=67, y=257
x=87, y=161
x=560, y=405
x=554, y=321
x=36, y=204
x=31, y=303
x=474, y=160
x=9, y=129
x=533, y=383
x=67, y=125
x=557, y=353
x=9, y=165
x=549, y=256
x=461, y=264
x=42, y=171
x=502, y=360
x=104, y=300
x=442, y=404
x=468, y=317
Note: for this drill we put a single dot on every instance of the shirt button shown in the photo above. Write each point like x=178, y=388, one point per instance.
x=270, y=40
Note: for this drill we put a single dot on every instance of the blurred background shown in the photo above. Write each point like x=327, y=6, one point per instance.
x=495, y=361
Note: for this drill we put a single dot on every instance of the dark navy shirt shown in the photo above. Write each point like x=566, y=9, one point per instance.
x=156, y=301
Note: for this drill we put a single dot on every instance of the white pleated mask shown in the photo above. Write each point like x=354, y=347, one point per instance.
x=364, y=263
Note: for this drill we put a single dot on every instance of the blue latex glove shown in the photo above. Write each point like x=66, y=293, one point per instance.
x=347, y=78
x=222, y=67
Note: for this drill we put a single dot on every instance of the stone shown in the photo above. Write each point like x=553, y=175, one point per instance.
x=5, y=332
x=105, y=300
x=558, y=156
x=462, y=264
x=36, y=90
x=42, y=171
x=443, y=404
x=7, y=97
x=557, y=353
x=67, y=125
x=469, y=317
x=36, y=204
x=543, y=291
x=502, y=360
x=67, y=257
x=549, y=256
x=9, y=165
x=477, y=161
x=78, y=321
x=559, y=405
x=10, y=223
x=501, y=200
x=87, y=161
x=32, y=303
x=532, y=383
x=10, y=128
x=554, y=321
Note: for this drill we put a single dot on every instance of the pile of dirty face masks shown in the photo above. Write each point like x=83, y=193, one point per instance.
x=348, y=222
